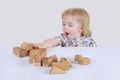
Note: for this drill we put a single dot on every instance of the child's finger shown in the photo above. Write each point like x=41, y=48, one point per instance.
x=34, y=46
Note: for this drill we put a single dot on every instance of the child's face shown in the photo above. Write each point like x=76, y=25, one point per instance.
x=71, y=27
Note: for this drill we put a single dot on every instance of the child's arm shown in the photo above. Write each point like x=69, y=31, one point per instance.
x=47, y=43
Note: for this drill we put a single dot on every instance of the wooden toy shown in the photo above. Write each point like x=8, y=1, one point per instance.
x=67, y=60
x=36, y=56
x=26, y=46
x=47, y=61
x=62, y=65
x=56, y=70
x=84, y=61
x=54, y=58
x=20, y=52
x=77, y=57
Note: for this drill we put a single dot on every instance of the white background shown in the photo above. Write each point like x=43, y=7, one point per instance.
x=37, y=20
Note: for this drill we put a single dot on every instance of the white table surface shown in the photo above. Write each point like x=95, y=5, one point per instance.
x=105, y=65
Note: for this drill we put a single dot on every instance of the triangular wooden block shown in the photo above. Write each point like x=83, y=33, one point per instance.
x=62, y=65
x=56, y=70
x=54, y=58
x=66, y=60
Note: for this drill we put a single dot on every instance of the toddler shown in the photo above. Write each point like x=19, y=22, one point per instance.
x=76, y=31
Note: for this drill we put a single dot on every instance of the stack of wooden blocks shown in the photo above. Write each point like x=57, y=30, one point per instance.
x=38, y=58
x=23, y=50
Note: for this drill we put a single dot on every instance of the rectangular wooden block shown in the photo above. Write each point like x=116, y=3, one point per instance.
x=84, y=61
x=36, y=63
x=47, y=61
x=37, y=59
x=77, y=57
x=26, y=46
x=36, y=52
x=31, y=56
x=20, y=52
x=36, y=56
x=43, y=52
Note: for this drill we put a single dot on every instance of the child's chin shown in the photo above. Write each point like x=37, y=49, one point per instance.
x=68, y=38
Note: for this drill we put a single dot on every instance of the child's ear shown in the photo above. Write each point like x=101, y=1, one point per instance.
x=81, y=31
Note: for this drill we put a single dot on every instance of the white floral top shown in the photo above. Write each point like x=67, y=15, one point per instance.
x=77, y=42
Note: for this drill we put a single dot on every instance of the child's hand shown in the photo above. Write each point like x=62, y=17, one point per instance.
x=35, y=45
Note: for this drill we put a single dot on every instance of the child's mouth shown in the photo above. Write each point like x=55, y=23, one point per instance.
x=67, y=33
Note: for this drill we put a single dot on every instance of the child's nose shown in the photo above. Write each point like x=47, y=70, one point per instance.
x=65, y=27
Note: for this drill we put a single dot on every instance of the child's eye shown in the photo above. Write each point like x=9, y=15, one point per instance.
x=64, y=24
x=70, y=25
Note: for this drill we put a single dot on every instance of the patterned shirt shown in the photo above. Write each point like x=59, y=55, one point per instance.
x=76, y=42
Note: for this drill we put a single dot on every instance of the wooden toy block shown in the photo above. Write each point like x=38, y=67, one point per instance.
x=37, y=59
x=54, y=58
x=77, y=57
x=62, y=65
x=67, y=60
x=56, y=70
x=36, y=56
x=63, y=59
x=26, y=46
x=20, y=52
x=42, y=51
x=47, y=61
x=31, y=56
x=38, y=52
x=84, y=61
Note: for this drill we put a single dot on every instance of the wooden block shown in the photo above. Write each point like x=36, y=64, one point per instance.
x=84, y=61
x=43, y=52
x=36, y=63
x=56, y=70
x=62, y=65
x=54, y=58
x=63, y=59
x=26, y=46
x=47, y=61
x=77, y=57
x=38, y=52
x=20, y=52
x=36, y=56
x=37, y=60
x=66, y=60
x=31, y=56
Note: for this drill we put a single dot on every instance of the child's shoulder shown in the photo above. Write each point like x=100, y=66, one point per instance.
x=88, y=41
x=86, y=38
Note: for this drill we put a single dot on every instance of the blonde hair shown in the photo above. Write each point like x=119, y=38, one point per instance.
x=83, y=18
